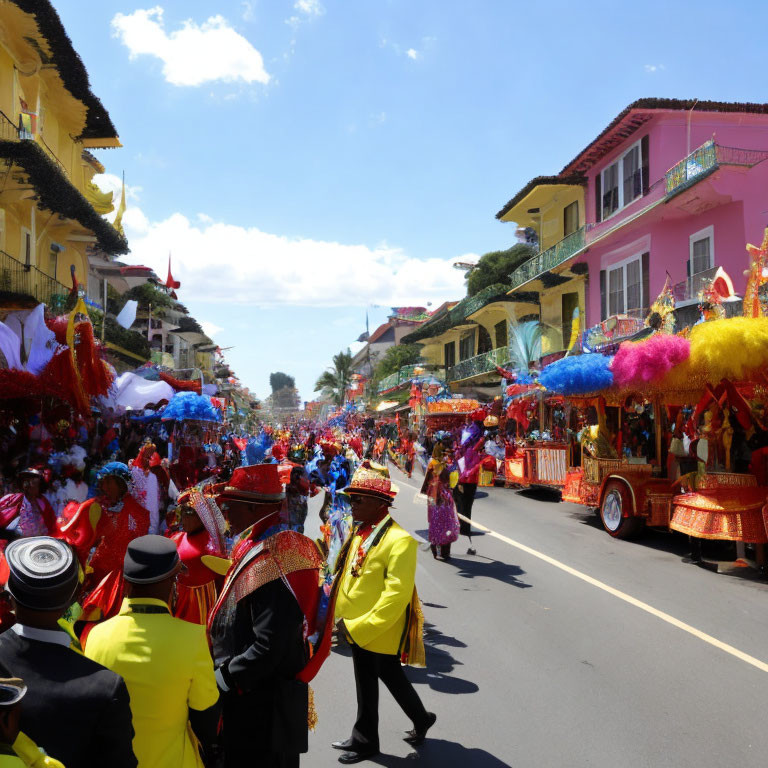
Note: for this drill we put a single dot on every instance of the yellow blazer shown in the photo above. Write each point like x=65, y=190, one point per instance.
x=373, y=605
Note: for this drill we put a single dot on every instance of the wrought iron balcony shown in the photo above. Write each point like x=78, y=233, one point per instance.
x=17, y=277
x=484, y=363
x=701, y=162
x=407, y=373
x=706, y=160
x=690, y=288
x=548, y=259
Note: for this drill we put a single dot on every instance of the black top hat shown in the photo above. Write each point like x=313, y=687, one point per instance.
x=150, y=559
x=12, y=691
x=43, y=573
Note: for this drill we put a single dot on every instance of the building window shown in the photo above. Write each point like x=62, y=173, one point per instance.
x=467, y=346
x=622, y=181
x=500, y=331
x=569, y=302
x=26, y=246
x=570, y=218
x=484, y=343
x=625, y=286
x=450, y=354
x=702, y=252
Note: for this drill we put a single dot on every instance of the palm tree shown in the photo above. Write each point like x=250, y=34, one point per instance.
x=334, y=382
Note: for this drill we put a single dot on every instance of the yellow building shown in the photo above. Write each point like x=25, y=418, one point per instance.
x=554, y=208
x=50, y=212
x=469, y=339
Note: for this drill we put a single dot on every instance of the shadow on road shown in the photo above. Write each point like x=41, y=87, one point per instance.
x=440, y=664
x=543, y=495
x=442, y=753
x=506, y=573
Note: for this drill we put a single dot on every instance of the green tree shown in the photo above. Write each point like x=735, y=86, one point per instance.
x=334, y=381
x=496, y=266
x=280, y=380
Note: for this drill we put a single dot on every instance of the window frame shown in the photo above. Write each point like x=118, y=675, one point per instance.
x=708, y=233
x=619, y=162
x=468, y=337
x=574, y=205
x=27, y=261
x=622, y=265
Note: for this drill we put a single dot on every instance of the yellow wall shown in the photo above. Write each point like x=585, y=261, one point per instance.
x=553, y=231
x=60, y=116
x=552, y=314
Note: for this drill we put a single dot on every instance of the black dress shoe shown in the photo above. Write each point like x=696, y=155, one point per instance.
x=349, y=758
x=416, y=736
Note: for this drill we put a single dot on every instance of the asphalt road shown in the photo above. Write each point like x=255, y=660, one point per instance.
x=574, y=650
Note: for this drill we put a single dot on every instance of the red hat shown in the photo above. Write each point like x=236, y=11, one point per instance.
x=155, y=460
x=479, y=414
x=257, y=483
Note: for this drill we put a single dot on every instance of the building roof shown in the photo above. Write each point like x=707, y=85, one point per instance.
x=61, y=54
x=440, y=322
x=540, y=181
x=632, y=117
x=379, y=332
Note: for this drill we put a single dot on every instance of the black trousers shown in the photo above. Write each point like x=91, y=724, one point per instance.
x=464, y=501
x=369, y=669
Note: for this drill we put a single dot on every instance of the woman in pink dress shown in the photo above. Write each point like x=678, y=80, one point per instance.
x=27, y=513
x=441, y=512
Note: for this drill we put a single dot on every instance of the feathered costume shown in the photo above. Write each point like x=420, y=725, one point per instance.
x=100, y=534
x=197, y=588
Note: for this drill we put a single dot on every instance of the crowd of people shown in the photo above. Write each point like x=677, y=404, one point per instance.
x=163, y=606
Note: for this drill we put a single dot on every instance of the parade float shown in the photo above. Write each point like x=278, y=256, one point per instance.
x=671, y=430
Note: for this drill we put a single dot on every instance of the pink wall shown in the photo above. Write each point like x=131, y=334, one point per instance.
x=732, y=200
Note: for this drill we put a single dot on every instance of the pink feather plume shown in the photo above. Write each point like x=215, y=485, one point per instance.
x=648, y=360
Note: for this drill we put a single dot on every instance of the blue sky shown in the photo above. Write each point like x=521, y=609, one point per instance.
x=306, y=159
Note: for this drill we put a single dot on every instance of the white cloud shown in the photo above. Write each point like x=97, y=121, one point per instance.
x=412, y=53
x=194, y=53
x=210, y=329
x=222, y=262
x=305, y=11
x=109, y=182
x=652, y=68
x=309, y=7
x=248, y=12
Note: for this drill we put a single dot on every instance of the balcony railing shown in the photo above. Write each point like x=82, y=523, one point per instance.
x=691, y=287
x=17, y=277
x=484, y=363
x=689, y=170
x=548, y=259
x=10, y=131
x=408, y=372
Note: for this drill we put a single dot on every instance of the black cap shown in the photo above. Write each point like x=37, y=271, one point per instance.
x=43, y=573
x=150, y=559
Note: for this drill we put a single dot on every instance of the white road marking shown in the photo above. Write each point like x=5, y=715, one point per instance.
x=713, y=641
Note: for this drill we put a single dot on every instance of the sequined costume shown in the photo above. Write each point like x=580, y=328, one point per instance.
x=20, y=516
x=196, y=589
x=100, y=535
x=270, y=597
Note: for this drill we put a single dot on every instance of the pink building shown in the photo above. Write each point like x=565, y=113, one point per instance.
x=672, y=188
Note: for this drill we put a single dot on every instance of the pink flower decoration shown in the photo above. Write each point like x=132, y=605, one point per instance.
x=648, y=360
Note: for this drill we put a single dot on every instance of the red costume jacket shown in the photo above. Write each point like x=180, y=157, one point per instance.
x=107, y=534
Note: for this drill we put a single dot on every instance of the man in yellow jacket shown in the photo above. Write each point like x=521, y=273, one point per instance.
x=378, y=610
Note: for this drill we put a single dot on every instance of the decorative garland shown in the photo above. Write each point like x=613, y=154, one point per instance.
x=69, y=65
x=56, y=193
